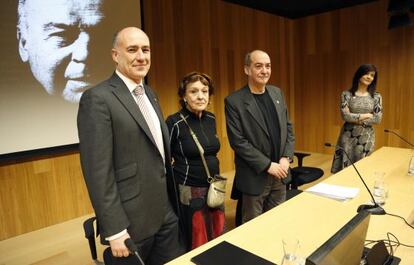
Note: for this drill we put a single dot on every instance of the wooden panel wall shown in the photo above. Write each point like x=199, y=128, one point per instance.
x=212, y=37
x=313, y=60
x=40, y=193
x=328, y=50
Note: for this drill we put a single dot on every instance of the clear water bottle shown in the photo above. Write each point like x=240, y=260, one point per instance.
x=411, y=166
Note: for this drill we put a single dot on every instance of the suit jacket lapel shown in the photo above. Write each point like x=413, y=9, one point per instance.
x=253, y=109
x=165, y=132
x=124, y=96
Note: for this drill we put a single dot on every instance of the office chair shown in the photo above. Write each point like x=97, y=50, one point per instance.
x=301, y=175
x=88, y=227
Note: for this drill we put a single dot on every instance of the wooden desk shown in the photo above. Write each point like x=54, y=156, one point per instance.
x=314, y=219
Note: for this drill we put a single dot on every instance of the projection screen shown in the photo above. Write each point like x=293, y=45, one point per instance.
x=52, y=51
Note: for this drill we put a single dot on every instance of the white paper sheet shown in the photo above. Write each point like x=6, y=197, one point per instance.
x=336, y=192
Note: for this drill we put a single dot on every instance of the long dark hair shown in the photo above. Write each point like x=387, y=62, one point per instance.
x=363, y=70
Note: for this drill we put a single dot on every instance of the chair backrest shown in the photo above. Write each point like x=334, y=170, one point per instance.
x=301, y=175
x=111, y=260
x=300, y=157
x=89, y=229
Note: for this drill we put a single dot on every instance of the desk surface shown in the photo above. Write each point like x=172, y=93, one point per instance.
x=314, y=219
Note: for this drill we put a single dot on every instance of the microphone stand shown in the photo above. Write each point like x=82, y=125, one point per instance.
x=374, y=209
x=396, y=134
x=411, y=164
x=133, y=248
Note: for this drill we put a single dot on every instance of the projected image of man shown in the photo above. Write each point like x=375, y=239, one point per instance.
x=54, y=39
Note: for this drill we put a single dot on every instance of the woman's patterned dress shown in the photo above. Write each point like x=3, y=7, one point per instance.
x=357, y=139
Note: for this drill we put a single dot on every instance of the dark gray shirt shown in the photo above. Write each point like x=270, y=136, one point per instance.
x=268, y=110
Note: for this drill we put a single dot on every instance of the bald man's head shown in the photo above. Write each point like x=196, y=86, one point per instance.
x=131, y=53
x=257, y=68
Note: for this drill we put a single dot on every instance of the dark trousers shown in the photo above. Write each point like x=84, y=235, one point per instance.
x=157, y=249
x=274, y=193
x=164, y=246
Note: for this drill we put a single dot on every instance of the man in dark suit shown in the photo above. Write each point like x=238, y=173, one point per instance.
x=125, y=155
x=261, y=136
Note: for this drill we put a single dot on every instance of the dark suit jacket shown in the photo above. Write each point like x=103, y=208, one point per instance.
x=123, y=169
x=250, y=139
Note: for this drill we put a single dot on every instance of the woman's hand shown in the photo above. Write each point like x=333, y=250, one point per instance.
x=365, y=116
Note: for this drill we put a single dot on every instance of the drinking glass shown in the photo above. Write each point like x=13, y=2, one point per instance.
x=290, y=246
x=379, y=191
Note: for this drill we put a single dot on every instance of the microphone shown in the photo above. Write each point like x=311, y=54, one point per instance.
x=411, y=164
x=373, y=209
x=133, y=248
x=399, y=136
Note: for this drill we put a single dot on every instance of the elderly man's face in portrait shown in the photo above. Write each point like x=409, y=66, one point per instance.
x=54, y=39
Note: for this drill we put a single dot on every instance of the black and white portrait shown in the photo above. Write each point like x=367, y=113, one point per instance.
x=52, y=51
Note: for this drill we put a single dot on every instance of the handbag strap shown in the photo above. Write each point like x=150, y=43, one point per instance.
x=200, y=149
